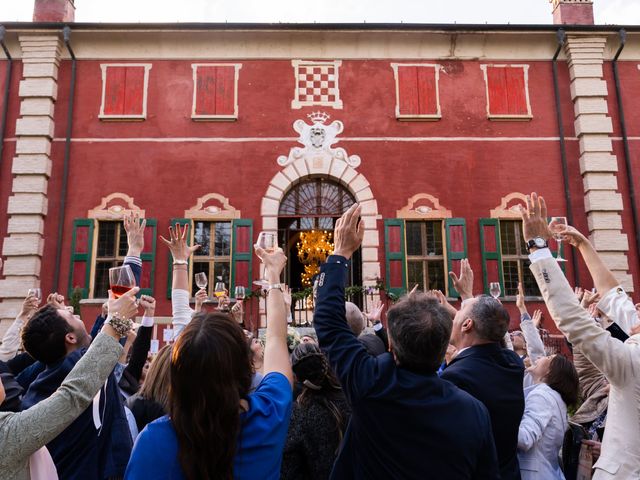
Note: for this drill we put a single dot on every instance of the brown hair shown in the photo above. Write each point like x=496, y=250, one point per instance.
x=210, y=374
x=157, y=382
x=563, y=378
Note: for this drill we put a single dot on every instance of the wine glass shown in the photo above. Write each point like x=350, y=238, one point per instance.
x=201, y=280
x=121, y=280
x=35, y=292
x=558, y=226
x=220, y=291
x=239, y=293
x=494, y=289
x=267, y=241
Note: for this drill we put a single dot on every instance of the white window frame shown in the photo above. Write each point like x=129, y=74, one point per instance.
x=296, y=103
x=234, y=116
x=525, y=69
x=145, y=91
x=427, y=117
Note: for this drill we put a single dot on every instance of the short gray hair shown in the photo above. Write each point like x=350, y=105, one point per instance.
x=490, y=318
x=355, y=319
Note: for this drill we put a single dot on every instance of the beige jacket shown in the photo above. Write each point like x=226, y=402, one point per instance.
x=620, y=362
x=22, y=434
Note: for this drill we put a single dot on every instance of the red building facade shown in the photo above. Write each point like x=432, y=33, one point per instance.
x=438, y=131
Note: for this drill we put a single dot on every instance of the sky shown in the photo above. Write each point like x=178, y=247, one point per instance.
x=623, y=12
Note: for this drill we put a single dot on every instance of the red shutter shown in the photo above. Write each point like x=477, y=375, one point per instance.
x=124, y=91
x=417, y=93
x=215, y=90
x=507, y=91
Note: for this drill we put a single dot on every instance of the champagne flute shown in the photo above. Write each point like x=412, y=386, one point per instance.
x=494, y=289
x=35, y=292
x=266, y=241
x=121, y=280
x=558, y=226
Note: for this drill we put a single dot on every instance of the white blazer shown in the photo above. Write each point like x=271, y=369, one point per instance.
x=541, y=433
x=620, y=363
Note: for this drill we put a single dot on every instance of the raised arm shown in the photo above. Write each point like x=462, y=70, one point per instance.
x=180, y=252
x=610, y=356
x=276, y=352
x=142, y=343
x=11, y=340
x=31, y=429
x=134, y=226
x=535, y=346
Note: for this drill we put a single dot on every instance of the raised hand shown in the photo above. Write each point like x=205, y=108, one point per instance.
x=273, y=263
x=149, y=304
x=537, y=318
x=286, y=295
x=573, y=237
x=134, y=226
x=125, y=306
x=375, y=314
x=177, y=244
x=29, y=307
x=349, y=232
x=464, y=283
x=201, y=297
x=534, y=218
x=444, y=302
x=520, y=299
x=56, y=300
x=579, y=292
x=589, y=298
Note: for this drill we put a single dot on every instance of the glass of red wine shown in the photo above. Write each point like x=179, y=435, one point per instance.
x=121, y=280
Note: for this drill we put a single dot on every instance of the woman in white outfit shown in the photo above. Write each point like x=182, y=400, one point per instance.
x=555, y=386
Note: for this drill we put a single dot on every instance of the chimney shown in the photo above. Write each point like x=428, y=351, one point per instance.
x=572, y=12
x=54, y=11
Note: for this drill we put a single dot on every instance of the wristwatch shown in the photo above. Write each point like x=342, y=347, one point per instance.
x=277, y=286
x=536, y=242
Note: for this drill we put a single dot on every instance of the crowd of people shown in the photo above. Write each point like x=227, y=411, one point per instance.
x=431, y=391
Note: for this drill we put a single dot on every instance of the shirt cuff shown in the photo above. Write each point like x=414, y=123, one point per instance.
x=147, y=321
x=525, y=316
x=135, y=260
x=540, y=254
x=377, y=327
x=338, y=259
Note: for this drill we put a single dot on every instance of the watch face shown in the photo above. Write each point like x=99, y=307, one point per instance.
x=540, y=243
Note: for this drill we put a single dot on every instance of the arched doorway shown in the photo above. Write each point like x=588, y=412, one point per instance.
x=312, y=204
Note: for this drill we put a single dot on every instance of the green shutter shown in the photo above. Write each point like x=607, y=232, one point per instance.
x=174, y=222
x=395, y=258
x=491, y=254
x=81, y=253
x=456, y=237
x=241, y=254
x=148, y=257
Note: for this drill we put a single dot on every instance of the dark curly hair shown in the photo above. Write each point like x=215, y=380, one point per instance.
x=43, y=335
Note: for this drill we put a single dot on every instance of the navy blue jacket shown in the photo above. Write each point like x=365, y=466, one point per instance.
x=404, y=424
x=494, y=375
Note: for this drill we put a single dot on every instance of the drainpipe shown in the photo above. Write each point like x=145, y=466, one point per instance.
x=563, y=149
x=5, y=97
x=67, y=152
x=625, y=141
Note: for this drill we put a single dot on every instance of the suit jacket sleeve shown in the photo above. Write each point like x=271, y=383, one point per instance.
x=355, y=368
x=487, y=465
x=11, y=340
x=23, y=433
x=610, y=356
x=381, y=333
x=136, y=267
x=139, y=351
x=537, y=414
x=535, y=346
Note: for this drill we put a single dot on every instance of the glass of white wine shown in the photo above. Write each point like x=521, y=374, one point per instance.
x=268, y=242
x=558, y=226
x=220, y=290
x=35, y=292
x=494, y=289
x=201, y=281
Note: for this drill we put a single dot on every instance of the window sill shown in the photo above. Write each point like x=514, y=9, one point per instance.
x=214, y=118
x=122, y=118
x=512, y=118
x=93, y=301
x=418, y=118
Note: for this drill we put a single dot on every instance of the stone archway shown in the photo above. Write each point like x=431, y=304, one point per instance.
x=317, y=158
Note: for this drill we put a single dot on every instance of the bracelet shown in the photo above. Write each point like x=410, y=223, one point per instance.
x=120, y=324
x=180, y=262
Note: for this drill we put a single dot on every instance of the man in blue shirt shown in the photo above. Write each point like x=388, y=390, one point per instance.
x=406, y=422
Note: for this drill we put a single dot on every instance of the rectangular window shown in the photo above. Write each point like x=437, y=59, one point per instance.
x=214, y=255
x=215, y=91
x=507, y=89
x=111, y=249
x=124, y=91
x=425, y=255
x=515, y=260
x=316, y=84
x=417, y=96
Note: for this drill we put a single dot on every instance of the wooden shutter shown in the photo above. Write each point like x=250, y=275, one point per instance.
x=491, y=253
x=507, y=93
x=148, y=257
x=241, y=254
x=81, y=253
x=124, y=91
x=395, y=258
x=215, y=94
x=417, y=91
x=456, y=238
x=174, y=222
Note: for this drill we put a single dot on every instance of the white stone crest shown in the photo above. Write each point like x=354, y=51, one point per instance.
x=317, y=139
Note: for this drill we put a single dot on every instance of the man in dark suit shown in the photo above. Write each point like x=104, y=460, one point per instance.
x=406, y=422
x=490, y=373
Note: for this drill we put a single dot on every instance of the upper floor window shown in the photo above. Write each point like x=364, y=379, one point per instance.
x=417, y=96
x=124, y=91
x=425, y=255
x=214, y=255
x=215, y=91
x=507, y=90
x=316, y=83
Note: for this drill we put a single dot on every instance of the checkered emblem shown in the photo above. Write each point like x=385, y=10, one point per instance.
x=316, y=84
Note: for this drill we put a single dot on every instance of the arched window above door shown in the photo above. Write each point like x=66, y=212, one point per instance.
x=316, y=197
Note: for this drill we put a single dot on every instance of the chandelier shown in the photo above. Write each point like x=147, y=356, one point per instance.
x=313, y=248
